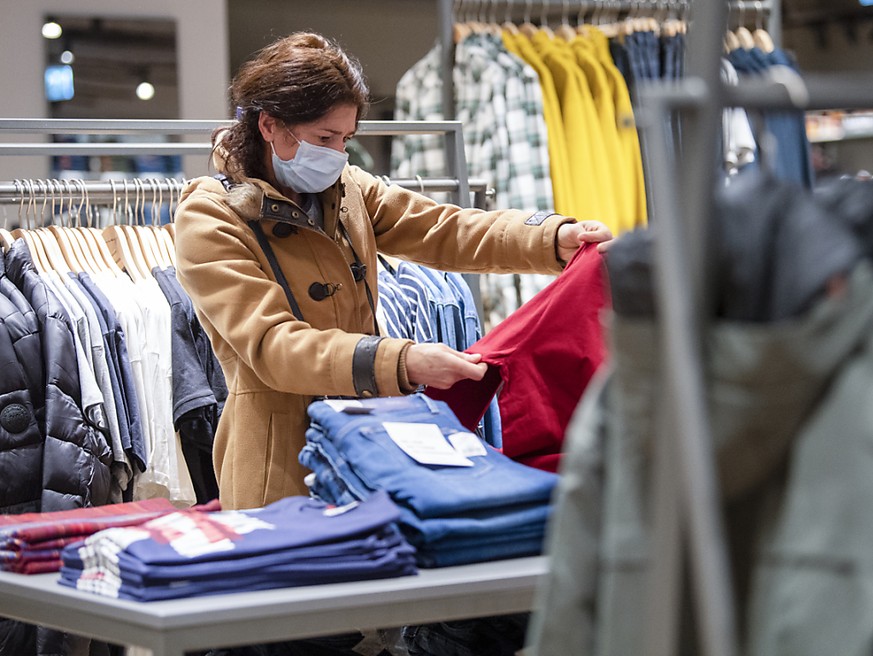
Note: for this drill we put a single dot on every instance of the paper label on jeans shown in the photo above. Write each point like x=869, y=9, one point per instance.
x=341, y=404
x=425, y=444
x=467, y=444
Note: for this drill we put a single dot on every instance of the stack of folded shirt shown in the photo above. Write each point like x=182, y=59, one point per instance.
x=294, y=541
x=461, y=500
x=31, y=543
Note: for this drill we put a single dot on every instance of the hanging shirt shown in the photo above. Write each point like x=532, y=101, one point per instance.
x=519, y=45
x=626, y=125
x=418, y=97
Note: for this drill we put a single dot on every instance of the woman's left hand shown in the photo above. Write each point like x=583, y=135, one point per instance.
x=572, y=235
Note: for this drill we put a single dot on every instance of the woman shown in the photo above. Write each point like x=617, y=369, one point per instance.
x=290, y=207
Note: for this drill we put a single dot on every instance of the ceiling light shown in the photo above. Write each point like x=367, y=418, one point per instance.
x=51, y=29
x=145, y=91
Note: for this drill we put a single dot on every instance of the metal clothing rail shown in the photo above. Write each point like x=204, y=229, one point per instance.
x=450, y=130
x=687, y=514
x=102, y=192
x=456, y=182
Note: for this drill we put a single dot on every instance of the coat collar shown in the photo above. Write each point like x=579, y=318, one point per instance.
x=256, y=199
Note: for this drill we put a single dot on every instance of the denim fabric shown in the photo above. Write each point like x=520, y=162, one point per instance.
x=490, y=426
x=652, y=49
x=447, y=308
x=487, y=636
x=495, y=509
x=671, y=57
x=341, y=645
x=621, y=58
x=480, y=553
x=449, y=531
x=492, y=482
x=791, y=160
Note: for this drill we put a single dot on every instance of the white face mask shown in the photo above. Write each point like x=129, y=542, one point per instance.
x=312, y=169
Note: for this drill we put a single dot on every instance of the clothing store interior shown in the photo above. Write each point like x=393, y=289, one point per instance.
x=656, y=459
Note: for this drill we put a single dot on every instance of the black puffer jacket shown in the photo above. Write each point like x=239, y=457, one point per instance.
x=51, y=457
x=76, y=455
x=21, y=402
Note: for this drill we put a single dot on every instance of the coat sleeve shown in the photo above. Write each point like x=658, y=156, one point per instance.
x=247, y=316
x=444, y=236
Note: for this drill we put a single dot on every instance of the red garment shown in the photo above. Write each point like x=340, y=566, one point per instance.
x=543, y=355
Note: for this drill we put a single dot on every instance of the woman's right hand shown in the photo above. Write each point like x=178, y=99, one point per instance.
x=437, y=365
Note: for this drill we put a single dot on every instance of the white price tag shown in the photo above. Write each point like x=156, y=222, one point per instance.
x=425, y=444
x=341, y=404
x=467, y=444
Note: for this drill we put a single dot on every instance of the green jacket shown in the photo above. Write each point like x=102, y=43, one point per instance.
x=791, y=411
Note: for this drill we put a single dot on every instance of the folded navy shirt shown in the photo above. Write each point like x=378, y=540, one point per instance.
x=214, y=552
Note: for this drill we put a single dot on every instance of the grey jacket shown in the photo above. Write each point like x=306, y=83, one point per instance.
x=790, y=406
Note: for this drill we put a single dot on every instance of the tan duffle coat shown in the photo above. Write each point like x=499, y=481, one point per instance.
x=276, y=363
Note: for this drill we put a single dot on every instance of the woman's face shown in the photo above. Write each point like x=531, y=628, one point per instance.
x=332, y=130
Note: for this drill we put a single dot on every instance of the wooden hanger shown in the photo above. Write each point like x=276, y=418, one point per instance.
x=744, y=36
x=544, y=21
x=60, y=235
x=527, y=28
x=763, y=40
x=34, y=246
x=119, y=245
x=87, y=254
x=160, y=239
x=165, y=245
x=138, y=236
x=6, y=239
x=565, y=31
x=731, y=42
x=122, y=254
x=171, y=227
x=761, y=36
x=57, y=261
x=94, y=236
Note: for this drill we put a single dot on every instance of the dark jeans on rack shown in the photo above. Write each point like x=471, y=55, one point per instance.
x=486, y=636
x=340, y=645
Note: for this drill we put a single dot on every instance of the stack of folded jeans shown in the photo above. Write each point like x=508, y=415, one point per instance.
x=491, y=508
x=291, y=542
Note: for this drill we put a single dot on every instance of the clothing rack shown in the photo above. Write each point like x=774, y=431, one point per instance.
x=102, y=192
x=686, y=520
x=110, y=193
x=106, y=192
x=456, y=180
x=448, y=11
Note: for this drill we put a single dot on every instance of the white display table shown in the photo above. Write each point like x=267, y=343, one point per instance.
x=170, y=628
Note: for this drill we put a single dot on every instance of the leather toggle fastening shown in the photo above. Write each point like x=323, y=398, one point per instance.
x=283, y=230
x=359, y=271
x=318, y=291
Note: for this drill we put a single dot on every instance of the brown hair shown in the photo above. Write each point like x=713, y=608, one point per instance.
x=297, y=79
